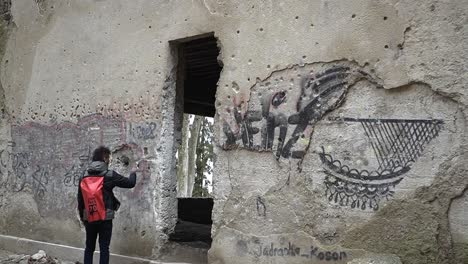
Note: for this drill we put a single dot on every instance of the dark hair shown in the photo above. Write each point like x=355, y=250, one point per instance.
x=100, y=153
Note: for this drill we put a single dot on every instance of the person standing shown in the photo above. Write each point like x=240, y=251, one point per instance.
x=97, y=203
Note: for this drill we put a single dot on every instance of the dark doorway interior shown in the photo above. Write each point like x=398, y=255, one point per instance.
x=199, y=73
x=202, y=71
x=194, y=221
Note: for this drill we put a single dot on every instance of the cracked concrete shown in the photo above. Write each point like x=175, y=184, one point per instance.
x=409, y=226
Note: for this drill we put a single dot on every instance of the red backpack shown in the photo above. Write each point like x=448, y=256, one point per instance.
x=92, y=188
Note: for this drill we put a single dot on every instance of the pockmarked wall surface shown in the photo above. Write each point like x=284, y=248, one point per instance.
x=340, y=125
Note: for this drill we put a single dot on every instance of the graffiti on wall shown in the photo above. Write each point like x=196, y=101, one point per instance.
x=281, y=118
x=14, y=168
x=290, y=250
x=40, y=179
x=143, y=130
x=17, y=173
x=48, y=160
x=261, y=207
x=77, y=169
x=319, y=94
x=397, y=144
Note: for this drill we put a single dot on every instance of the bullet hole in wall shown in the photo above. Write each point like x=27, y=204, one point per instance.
x=386, y=46
x=125, y=160
x=384, y=18
x=353, y=15
x=235, y=87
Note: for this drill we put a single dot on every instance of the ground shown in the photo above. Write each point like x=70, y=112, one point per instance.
x=7, y=257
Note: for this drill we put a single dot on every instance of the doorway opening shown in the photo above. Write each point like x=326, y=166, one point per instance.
x=197, y=78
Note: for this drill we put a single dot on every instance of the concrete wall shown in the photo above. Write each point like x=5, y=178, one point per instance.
x=341, y=125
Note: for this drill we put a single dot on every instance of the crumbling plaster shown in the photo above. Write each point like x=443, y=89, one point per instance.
x=68, y=60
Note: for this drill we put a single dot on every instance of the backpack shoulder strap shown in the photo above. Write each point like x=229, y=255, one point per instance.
x=108, y=173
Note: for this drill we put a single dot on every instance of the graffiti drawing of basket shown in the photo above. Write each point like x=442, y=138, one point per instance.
x=396, y=143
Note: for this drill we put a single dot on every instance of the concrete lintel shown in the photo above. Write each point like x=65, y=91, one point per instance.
x=27, y=246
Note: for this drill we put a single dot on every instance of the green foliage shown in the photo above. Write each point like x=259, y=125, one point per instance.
x=204, y=159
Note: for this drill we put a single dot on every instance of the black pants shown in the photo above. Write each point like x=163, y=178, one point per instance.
x=104, y=230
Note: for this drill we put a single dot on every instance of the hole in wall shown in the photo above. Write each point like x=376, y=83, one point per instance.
x=198, y=75
x=201, y=70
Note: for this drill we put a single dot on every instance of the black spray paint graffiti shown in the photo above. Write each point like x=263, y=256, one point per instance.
x=270, y=126
x=22, y=174
x=320, y=93
x=291, y=250
x=144, y=131
x=261, y=207
x=397, y=144
x=40, y=178
x=73, y=175
x=14, y=168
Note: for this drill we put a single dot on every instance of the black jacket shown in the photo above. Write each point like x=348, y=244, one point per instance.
x=111, y=179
